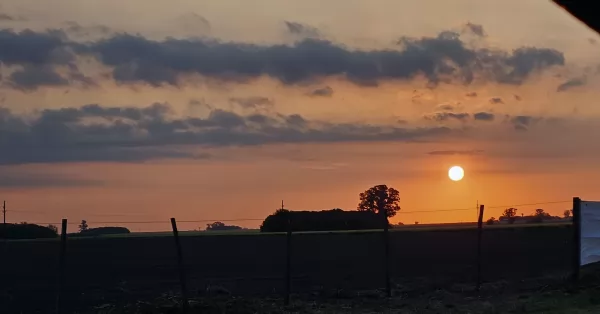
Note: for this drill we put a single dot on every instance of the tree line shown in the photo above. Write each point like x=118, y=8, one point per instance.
x=539, y=215
x=26, y=230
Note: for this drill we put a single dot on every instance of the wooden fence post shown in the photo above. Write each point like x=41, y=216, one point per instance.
x=288, y=261
x=576, y=261
x=479, y=233
x=184, y=299
x=386, y=254
x=61, y=265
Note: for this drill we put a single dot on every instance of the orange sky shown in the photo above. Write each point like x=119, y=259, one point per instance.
x=539, y=147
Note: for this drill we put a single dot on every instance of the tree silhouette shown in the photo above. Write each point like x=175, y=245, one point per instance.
x=541, y=213
x=219, y=226
x=510, y=213
x=378, y=199
x=567, y=213
x=83, y=226
x=53, y=228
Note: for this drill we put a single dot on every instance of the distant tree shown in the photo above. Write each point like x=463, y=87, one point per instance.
x=567, y=213
x=219, y=226
x=510, y=214
x=378, y=199
x=53, y=228
x=490, y=221
x=83, y=226
x=416, y=222
x=541, y=213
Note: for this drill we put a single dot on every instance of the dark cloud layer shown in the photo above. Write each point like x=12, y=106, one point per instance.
x=97, y=133
x=136, y=59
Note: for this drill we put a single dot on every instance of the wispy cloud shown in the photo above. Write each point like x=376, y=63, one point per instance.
x=456, y=152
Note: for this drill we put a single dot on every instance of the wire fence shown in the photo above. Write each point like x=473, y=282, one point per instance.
x=82, y=271
x=256, y=220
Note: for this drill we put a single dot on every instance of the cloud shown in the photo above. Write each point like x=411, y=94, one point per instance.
x=30, y=78
x=445, y=107
x=302, y=30
x=445, y=116
x=74, y=28
x=523, y=122
x=6, y=17
x=25, y=178
x=455, y=152
x=138, y=59
x=475, y=29
x=130, y=134
x=496, y=100
x=570, y=84
x=483, y=116
x=195, y=22
x=35, y=48
x=38, y=58
x=255, y=102
x=322, y=92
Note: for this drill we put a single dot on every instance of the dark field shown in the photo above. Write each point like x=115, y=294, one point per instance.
x=114, y=270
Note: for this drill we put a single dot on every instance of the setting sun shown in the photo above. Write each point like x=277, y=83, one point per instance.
x=456, y=173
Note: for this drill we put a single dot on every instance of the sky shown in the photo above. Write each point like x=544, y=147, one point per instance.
x=115, y=111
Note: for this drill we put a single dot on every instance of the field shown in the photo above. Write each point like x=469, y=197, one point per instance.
x=116, y=270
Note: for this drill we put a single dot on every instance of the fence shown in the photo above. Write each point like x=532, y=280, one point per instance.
x=84, y=271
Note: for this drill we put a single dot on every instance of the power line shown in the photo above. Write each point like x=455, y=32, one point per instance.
x=433, y=210
x=158, y=221
x=496, y=206
x=92, y=215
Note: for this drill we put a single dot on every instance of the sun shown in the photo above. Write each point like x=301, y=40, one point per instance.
x=456, y=173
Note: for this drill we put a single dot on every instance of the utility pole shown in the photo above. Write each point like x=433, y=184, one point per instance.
x=4, y=213
x=281, y=204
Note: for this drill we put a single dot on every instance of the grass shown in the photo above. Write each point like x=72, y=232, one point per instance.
x=491, y=300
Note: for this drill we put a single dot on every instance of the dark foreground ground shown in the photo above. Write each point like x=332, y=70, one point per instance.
x=115, y=271
x=493, y=298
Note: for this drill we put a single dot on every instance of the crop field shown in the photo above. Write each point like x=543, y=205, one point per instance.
x=116, y=269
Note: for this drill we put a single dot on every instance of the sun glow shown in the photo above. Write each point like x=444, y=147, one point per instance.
x=456, y=173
